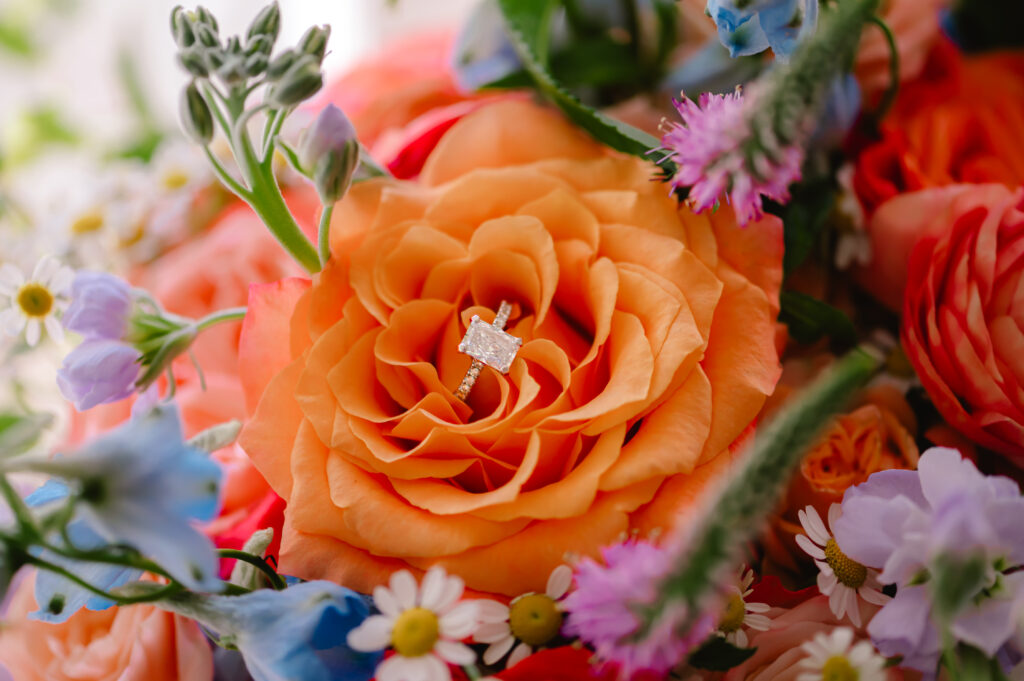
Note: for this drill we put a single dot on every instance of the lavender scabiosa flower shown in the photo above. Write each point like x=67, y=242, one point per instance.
x=716, y=154
x=101, y=305
x=603, y=610
x=97, y=372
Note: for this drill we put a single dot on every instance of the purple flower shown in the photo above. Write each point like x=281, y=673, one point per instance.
x=100, y=306
x=602, y=610
x=717, y=153
x=97, y=372
x=900, y=521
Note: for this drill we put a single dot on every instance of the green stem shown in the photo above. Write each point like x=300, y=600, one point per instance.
x=41, y=564
x=214, y=99
x=258, y=563
x=105, y=557
x=18, y=507
x=230, y=314
x=894, y=69
x=274, y=127
x=324, y=234
x=225, y=177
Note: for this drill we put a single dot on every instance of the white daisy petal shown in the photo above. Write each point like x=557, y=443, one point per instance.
x=813, y=524
x=497, y=650
x=432, y=588
x=809, y=547
x=11, y=277
x=873, y=596
x=837, y=602
x=491, y=611
x=434, y=668
x=45, y=269
x=53, y=328
x=391, y=669
x=741, y=639
x=61, y=280
x=453, y=588
x=758, y=622
x=12, y=321
x=385, y=601
x=403, y=587
x=827, y=582
x=373, y=634
x=454, y=652
x=491, y=632
x=460, y=621
x=842, y=638
x=758, y=607
x=853, y=608
x=834, y=511
x=33, y=331
x=805, y=676
x=521, y=652
x=559, y=582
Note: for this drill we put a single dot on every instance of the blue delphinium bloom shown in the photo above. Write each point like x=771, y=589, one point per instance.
x=298, y=633
x=752, y=26
x=59, y=598
x=141, y=485
x=483, y=52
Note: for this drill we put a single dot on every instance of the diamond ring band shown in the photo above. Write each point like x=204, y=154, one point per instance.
x=488, y=345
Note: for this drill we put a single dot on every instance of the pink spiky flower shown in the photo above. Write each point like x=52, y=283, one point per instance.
x=603, y=611
x=718, y=152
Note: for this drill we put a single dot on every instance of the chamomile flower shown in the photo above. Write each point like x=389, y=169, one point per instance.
x=842, y=579
x=423, y=625
x=739, y=614
x=35, y=302
x=834, y=657
x=532, y=619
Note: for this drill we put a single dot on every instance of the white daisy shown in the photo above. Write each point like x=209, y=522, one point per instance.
x=739, y=613
x=833, y=657
x=35, y=302
x=424, y=626
x=841, y=578
x=532, y=619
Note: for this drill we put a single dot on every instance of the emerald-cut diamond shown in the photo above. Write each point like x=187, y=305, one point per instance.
x=489, y=344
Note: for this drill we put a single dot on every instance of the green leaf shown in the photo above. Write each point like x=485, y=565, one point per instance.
x=718, y=655
x=528, y=23
x=595, y=62
x=974, y=665
x=15, y=39
x=955, y=582
x=804, y=218
x=809, y=319
x=19, y=432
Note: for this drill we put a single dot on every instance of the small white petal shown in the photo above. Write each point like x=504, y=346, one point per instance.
x=492, y=632
x=497, y=650
x=758, y=622
x=758, y=607
x=11, y=277
x=403, y=587
x=741, y=639
x=559, y=582
x=434, y=668
x=391, y=669
x=827, y=582
x=432, y=588
x=45, y=269
x=853, y=608
x=33, y=331
x=811, y=521
x=842, y=638
x=61, y=280
x=453, y=588
x=385, y=601
x=834, y=511
x=12, y=321
x=805, y=676
x=837, y=602
x=53, y=328
x=373, y=634
x=460, y=621
x=521, y=652
x=454, y=652
x=809, y=547
x=491, y=611
x=873, y=595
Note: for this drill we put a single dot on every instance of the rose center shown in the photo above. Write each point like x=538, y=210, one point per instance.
x=735, y=612
x=534, y=619
x=848, y=571
x=175, y=179
x=35, y=300
x=415, y=632
x=86, y=224
x=838, y=668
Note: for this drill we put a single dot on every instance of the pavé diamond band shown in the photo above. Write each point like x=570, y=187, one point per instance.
x=488, y=345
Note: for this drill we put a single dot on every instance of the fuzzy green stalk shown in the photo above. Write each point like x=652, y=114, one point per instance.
x=737, y=513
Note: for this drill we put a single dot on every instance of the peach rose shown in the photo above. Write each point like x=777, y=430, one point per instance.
x=647, y=349
x=136, y=643
x=961, y=121
x=963, y=315
x=778, y=648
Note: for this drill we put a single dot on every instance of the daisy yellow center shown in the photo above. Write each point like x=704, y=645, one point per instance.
x=175, y=179
x=87, y=223
x=838, y=668
x=735, y=612
x=415, y=632
x=35, y=300
x=534, y=619
x=848, y=571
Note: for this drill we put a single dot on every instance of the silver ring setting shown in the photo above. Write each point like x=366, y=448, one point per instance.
x=488, y=345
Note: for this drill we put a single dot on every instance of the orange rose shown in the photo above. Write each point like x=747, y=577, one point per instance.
x=961, y=121
x=647, y=349
x=136, y=643
x=963, y=316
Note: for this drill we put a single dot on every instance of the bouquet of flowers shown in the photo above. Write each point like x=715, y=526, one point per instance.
x=648, y=339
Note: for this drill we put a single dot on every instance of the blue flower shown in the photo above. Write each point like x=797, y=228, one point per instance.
x=140, y=485
x=298, y=633
x=752, y=26
x=483, y=52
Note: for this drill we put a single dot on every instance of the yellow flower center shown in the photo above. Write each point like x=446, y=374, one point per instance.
x=735, y=612
x=848, y=571
x=534, y=619
x=175, y=179
x=87, y=223
x=35, y=300
x=415, y=632
x=838, y=668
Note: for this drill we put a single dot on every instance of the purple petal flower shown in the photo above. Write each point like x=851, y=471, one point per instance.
x=330, y=132
x=98, y=372
x=100, y=305
x=602, y=610
x=716, y=153
x=904, y=627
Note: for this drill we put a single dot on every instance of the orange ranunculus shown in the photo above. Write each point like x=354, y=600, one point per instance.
x=648, y=347
x=135, y=643
x=963, y=317
x=961, y=121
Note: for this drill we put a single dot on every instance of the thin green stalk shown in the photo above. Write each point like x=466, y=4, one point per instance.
x=324, y=234
x=225, y=177
x=230, y=314
x=105, y=557
x=894, y=69
x=274, y=127
x=17, y=505
x=214, y=99
x=258, y=563
x=41, y=564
